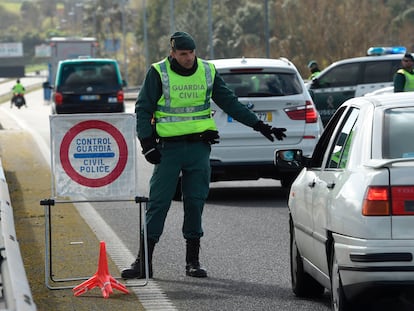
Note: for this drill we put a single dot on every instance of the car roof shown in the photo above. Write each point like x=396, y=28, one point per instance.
x=362, y=59
x=88, y=60
x=383, y=90
x=382, y=100
x=246, y=62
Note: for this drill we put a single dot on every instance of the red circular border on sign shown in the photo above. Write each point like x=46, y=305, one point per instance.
x=100, y=125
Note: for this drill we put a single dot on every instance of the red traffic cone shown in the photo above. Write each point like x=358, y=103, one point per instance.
x=101, y=278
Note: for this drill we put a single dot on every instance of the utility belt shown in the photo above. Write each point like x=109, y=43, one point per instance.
x=209, y=136
x=188, y=137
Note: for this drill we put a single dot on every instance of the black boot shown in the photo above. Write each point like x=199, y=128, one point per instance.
x=137, y=270
x=193, y=267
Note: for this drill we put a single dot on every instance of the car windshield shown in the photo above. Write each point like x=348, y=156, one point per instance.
x=261, y=84
x=79, y=76
x=398, y=139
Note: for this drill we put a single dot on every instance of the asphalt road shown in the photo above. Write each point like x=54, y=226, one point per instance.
x=245, y=247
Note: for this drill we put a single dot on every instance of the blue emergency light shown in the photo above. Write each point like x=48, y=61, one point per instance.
x=383, y=50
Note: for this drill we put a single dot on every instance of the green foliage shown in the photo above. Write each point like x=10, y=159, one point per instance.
x=8, y=23
x=30, y=40
x=11, y=6
x=29, y=13
x=324, y=30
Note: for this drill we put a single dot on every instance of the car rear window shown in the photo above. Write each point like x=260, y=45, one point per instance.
x=101, y=76
x=398, y=139
x=261, y=84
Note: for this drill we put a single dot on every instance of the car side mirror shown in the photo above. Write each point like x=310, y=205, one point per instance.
x=289, y=160
x=47, y=85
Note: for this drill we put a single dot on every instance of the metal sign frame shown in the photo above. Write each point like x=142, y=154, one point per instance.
x=50, y=277
x=115, y=138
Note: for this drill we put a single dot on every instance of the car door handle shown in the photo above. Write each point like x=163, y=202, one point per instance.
x=311, y=184
x=330, y=185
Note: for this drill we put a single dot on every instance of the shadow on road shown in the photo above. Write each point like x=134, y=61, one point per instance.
x=247, y=195
x=223, y=289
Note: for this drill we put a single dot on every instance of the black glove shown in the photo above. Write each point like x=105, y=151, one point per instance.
x=266, y=130
x=211, y=137
x=150, y=151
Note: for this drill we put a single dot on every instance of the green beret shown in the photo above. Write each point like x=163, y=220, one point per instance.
x=181, y=40
x=409, y=56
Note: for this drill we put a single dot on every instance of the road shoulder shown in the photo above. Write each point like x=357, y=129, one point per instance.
x=75, y=247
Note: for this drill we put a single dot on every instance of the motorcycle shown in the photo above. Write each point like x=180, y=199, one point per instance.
x=18, y=100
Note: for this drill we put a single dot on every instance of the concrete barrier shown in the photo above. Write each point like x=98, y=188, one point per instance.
x=15, y=294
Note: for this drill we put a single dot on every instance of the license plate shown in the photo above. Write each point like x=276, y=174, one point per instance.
x=265, y=116
x=89, y=97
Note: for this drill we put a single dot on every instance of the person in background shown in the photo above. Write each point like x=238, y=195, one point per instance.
x=404, y=77
x=17, y=89
x=314, y=69
x=176, y=130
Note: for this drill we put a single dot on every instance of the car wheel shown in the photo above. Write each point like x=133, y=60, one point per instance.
x=338, y=299
x=178, y=195
x=303, y=285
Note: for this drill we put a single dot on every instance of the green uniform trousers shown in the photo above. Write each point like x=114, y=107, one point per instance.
x=192, y=160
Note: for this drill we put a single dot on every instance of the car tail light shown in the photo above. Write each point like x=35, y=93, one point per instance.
x=58, y=98
x=384, y=201
x=306, y=112
x=376, y=202
x=120, y=96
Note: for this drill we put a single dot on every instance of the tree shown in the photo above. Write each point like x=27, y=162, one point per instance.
x=248, y=30
x=48, y=9
x=30, y=14
x=324, y=30
x=327, y=30
x=402, y=26
x=8, y=25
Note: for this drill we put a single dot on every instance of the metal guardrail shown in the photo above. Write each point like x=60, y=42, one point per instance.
x=15, y=293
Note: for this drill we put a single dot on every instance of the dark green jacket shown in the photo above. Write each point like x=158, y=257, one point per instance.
x=151, y=91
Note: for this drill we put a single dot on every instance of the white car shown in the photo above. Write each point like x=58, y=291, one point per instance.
x=352, y=205
x=384, y=90
x=275, y=91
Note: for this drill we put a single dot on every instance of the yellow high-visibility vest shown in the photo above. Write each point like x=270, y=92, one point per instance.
x=409, y=80
x=184, y=107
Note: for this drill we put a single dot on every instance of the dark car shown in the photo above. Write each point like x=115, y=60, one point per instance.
x=92, y=85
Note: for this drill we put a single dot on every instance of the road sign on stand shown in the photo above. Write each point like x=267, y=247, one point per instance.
x=93, y=156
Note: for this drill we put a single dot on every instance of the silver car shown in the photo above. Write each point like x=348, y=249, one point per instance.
x=274, y=90
x=352, y=205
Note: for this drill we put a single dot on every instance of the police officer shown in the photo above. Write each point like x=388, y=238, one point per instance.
x=176, y=129
x=17, y=89
x=404, y=78
x=314, y=69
